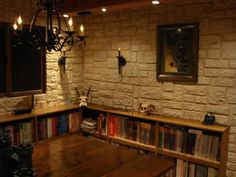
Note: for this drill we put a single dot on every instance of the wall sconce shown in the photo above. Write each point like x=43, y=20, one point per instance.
x=121, y=61
x=62, y=62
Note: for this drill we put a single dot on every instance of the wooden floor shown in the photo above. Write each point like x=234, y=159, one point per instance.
x=78, y=156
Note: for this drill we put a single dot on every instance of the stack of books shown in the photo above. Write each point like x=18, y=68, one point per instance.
x=89, y=125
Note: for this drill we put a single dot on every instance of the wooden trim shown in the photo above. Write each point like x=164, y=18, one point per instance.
x=164, y=119
x=132, y=143
x=192, y=158
x=224, y=152
x=38, y=112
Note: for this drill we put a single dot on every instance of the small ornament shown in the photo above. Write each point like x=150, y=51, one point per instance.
x=209, y=119
x=145, y=108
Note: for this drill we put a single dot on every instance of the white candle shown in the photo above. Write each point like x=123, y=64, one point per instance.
x=19, y=22
x=70, y=24
x=81, y=30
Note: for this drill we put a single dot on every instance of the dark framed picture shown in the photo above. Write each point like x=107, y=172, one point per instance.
x=177, y=52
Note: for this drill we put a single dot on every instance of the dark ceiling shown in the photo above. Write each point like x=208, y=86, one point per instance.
x=75, y=6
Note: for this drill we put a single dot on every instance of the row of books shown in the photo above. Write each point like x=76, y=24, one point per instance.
x=190, y=141
x=189, y=169
x=126, y=128
x=20, y=133
x=56, y=125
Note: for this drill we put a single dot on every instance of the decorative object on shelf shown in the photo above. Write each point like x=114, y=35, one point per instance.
x=25, y=105
x=209, y=119
x=57, y=39
x=121, y=61
x=145, y=108
x=82, y=97
x=177, y=52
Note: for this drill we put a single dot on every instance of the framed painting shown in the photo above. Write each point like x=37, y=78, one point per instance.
x=177, y=52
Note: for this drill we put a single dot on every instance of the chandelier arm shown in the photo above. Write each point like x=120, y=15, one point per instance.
x=41, y=4
x=70, y=40
x=65, y=22
x=58, y=20
x=49, y=18
x=32, y=24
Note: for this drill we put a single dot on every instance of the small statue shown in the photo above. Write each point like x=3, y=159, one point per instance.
x=83, y=98
x=209, y=119
x=146, y=108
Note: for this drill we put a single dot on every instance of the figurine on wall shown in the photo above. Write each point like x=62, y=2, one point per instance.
x=83, y=98
x=145, y=108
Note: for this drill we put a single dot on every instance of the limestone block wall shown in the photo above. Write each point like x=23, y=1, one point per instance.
x=135, y=32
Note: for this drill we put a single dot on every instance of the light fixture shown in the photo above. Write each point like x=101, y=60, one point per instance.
x=57, y=39
x=155, y=2
x=103, y=9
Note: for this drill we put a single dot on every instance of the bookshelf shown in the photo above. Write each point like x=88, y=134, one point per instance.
x=209, y=157
x=28, y=128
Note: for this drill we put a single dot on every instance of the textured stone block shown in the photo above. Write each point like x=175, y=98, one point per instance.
x=217, y=96
x=228, y=49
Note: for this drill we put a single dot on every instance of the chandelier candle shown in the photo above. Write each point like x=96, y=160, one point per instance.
x=81, y=30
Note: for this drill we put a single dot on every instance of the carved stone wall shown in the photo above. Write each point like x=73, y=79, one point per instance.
x=135, y=32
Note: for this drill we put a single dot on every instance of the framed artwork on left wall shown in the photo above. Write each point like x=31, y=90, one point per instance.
x=177, y=52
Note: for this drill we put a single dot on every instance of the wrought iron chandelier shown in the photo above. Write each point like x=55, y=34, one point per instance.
x=56, y=38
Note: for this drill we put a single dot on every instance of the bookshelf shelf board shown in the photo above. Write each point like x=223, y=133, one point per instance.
x=192, y=158
x=37, y=112
x=12, y=117
x=162, y=119
x=55, y=109
x=133, y=143
x=100, y=136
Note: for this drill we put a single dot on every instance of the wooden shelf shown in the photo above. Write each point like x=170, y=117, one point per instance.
x=221, y=130
x=132, y=143
x=12, y=117
x=55, y=109
x=159, y=118
x=189, y=157
x=37, y=112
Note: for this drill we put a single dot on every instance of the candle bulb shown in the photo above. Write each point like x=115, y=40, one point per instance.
x=81, y=30
x=15, y=26
x=70, y=24
x=19, y=22
x=119, y=52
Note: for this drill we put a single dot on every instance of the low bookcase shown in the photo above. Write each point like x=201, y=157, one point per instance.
x=41, y=123
x=197, y=149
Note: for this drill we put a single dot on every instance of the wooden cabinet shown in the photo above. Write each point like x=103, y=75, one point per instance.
x=171, y=137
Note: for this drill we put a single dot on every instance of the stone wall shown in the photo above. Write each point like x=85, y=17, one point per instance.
x=134, y=31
